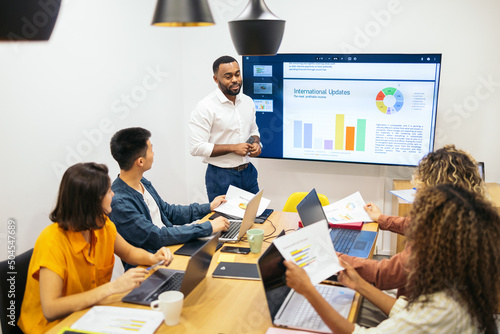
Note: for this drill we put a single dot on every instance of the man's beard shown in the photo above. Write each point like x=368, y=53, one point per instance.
x=227, y=91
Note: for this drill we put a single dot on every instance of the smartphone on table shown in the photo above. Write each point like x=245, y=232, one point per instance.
x=237, y=250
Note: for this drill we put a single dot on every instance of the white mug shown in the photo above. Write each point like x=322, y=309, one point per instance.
x=170, y=304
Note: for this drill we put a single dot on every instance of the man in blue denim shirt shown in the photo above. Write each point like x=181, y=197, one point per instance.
x=140, y=215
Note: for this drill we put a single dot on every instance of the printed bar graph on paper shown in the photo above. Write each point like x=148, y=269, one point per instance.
x=302, y=256
x=361, y=135
x=346, y=217
x=297, y=134
x=308, y=135
x=349, y=138
x=328, y=144
x=339, y=132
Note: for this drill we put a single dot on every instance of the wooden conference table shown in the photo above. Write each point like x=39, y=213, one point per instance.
x=220, y=305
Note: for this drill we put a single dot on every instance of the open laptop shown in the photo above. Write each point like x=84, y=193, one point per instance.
x=168, y=279
x=290, y=309
x=237, y=229
x=351, y=242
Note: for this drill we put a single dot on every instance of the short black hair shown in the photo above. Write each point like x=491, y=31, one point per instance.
x=79, y=202
x=222, y=60
x=129, y=144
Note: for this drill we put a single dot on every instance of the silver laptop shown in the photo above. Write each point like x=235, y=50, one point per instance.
x=351, y=242
x=237, y=228
x=290, y=309
x=168, y=279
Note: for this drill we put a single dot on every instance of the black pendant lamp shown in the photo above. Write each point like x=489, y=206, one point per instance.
x=257, y=31
x=28, y=20
x=182, y=13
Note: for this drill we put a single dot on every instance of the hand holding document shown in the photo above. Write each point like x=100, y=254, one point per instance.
x=237, y=200
x=347, y=210
x=311, y=248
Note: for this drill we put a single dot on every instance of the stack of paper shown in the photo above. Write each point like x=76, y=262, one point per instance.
x=237, y=200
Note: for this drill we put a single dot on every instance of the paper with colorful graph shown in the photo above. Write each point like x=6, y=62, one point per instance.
x=237, y=200
x=347, y=210
x=311, y=248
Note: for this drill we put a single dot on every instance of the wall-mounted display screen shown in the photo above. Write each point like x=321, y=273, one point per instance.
x=358, y=108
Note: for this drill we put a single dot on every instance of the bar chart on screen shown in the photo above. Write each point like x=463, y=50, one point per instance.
x=334, y=134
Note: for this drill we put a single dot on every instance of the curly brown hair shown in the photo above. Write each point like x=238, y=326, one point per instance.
x=449, y=165
x=455, y=237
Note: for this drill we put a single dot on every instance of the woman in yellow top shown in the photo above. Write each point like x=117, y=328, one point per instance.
x=73, y=259
x=453, y=284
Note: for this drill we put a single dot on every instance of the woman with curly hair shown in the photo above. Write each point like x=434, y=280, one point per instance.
x=447, y=165
x=453, y=284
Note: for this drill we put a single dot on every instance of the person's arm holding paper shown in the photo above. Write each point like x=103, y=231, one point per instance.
x=217, y=202
x=373, y=211
x=297, y=279
x=351, y=279
x=385, y=274
x=390, y=223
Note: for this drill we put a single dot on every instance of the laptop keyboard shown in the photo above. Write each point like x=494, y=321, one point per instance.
x=344, y=240
x=173, y=283
x=305, y=316
x=234, y=229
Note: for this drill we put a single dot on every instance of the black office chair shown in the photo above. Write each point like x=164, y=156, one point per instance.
x=22, y=263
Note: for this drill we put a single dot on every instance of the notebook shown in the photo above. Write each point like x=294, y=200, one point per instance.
x=168, y=279
x=288, y=308
x=351, y=242
x=237, y=229
x=236, y=270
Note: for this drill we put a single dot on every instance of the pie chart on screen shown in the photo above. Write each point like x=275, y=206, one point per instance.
x=389, y=100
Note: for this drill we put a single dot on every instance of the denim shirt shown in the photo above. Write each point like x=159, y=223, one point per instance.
x=133, y=220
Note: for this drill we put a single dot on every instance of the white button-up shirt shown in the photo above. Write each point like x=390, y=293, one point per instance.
x=216, y=120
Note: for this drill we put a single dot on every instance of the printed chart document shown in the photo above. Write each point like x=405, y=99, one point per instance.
x=118, y=320
x=311, y=248
x=237, y=200
x=407, y=195
x=347, y=210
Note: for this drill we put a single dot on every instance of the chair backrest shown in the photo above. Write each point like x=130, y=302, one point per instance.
x=295, y=198
x=13, y=275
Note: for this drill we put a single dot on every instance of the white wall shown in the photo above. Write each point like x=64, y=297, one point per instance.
x=106, y=68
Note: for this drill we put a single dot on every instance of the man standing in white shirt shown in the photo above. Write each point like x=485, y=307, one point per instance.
x=223, y=131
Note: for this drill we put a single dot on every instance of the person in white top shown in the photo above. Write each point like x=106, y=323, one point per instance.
x=453, y=284
x=224, y=132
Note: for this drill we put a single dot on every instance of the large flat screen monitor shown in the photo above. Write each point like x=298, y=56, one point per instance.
x=357, y=108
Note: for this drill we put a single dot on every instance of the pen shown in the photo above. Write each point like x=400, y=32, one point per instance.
x=156, y=265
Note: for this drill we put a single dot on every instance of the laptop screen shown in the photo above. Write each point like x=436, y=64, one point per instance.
x=197, y=267
x=272, y=272
x=310, y=209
